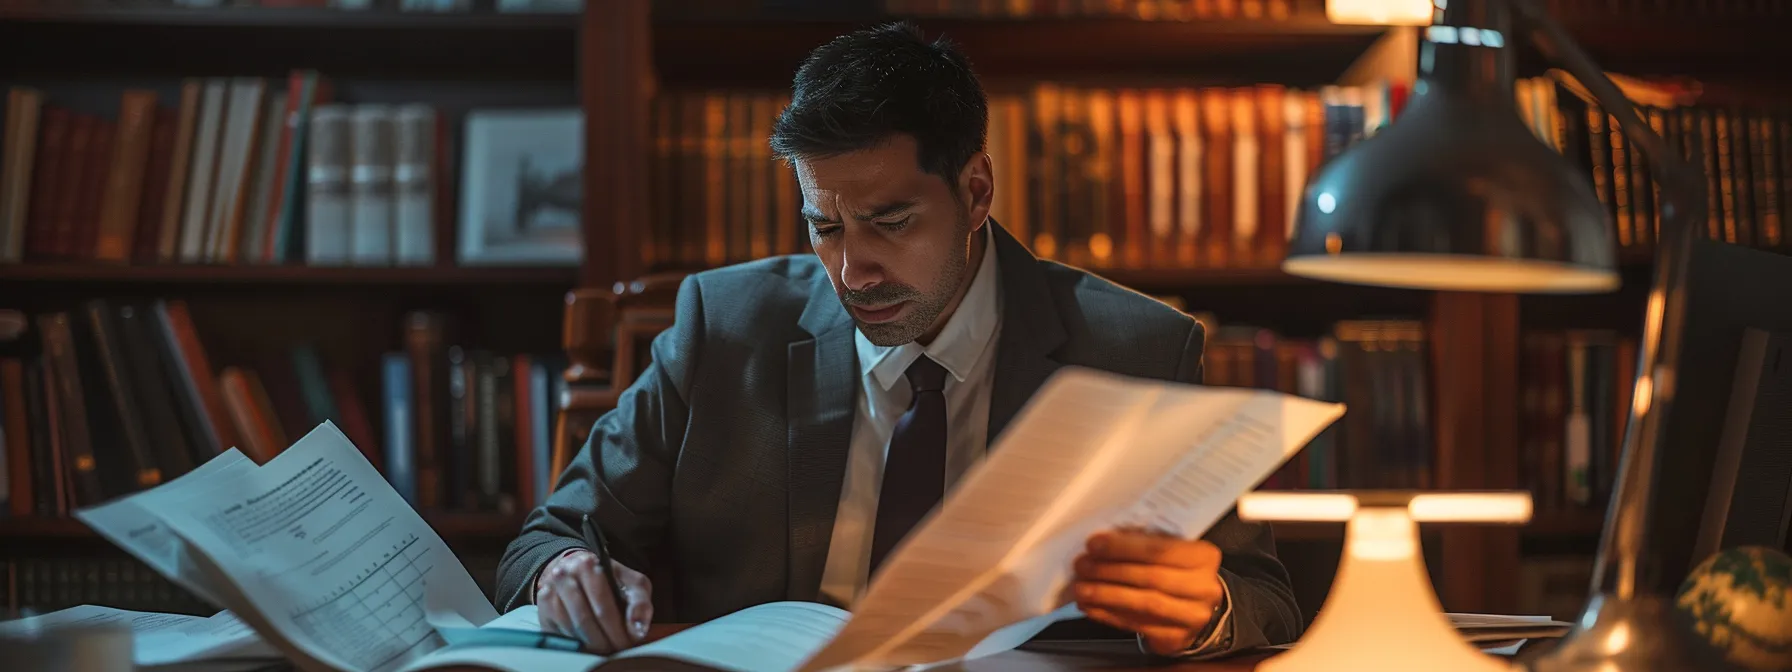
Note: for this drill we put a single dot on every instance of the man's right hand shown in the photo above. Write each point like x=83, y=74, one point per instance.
x=573, y=599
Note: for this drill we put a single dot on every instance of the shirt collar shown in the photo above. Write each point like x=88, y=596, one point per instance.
x=960, y=343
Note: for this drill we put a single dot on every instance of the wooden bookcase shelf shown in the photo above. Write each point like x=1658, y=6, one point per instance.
x=287, y=275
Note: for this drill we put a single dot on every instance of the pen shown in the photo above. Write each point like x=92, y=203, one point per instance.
x=594, y=538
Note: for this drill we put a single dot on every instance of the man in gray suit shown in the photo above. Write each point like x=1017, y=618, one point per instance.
x=803, y=413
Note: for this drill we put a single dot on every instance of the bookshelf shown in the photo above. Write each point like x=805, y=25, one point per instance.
x=621, y=61
x=264, y=317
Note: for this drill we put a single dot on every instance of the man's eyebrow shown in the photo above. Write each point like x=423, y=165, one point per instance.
x=811, y=214
x=889, y=209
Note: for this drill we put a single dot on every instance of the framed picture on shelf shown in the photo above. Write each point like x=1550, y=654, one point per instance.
x=521, y=187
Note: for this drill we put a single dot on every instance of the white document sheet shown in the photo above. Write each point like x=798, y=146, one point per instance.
x=773, y=637
x=1091, y=451
x=767, y=638
x=164, y=639
x=316, y=547
x=132, y=523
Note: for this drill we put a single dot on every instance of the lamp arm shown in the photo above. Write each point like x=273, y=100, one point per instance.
x=1624, y=566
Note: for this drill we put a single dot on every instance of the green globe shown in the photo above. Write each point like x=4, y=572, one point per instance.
x=1736, y=599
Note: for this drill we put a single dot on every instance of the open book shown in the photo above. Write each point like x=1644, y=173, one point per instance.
x=321, y=557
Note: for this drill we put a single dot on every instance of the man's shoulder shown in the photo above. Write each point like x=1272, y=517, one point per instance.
x=1100, y=311
x=759, y=291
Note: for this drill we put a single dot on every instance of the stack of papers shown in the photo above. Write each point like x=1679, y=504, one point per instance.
x=1485, y=628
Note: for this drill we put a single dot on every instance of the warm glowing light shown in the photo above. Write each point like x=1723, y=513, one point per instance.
x=1382, y=614
x=1297, y=506
x=1645, y=392
x=1380, y=12
x=1101, y=246
x=1471, y=507
x=1462, y=273
x=1618, y=640
x=1383, y=534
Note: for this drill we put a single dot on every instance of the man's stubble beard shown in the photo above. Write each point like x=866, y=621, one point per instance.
x=923, y=309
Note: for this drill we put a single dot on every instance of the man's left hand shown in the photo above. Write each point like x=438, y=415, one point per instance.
x=1160, y=587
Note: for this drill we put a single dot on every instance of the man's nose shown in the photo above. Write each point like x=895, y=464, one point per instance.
x=859, y=265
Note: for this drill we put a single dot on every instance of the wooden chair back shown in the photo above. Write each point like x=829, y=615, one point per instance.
x=607, y=334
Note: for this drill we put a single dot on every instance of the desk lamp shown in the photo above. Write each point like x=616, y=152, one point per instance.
x=1381, y=614
x=1457, y=194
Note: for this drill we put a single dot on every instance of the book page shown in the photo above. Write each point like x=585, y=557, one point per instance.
x=320, y=550
x=773, y=637
x=505, y=659
x=1091, y=451
x=765, y=638
x=132, y=524
x=161, y=639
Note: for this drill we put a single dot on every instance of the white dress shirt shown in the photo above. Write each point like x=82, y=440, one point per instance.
x=966, y=347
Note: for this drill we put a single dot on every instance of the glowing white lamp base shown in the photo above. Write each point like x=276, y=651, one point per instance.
x=1382, y=614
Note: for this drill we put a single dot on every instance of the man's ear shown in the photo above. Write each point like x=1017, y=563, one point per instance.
x=977, y=186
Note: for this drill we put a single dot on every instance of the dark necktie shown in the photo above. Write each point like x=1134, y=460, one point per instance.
x=915, y=467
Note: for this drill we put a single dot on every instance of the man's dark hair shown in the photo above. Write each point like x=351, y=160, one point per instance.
x=864, y=87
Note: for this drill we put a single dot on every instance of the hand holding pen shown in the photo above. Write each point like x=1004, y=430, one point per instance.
x=585, y=593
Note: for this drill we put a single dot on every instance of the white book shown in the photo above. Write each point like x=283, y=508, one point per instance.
x=371, y=212
x=242, y=117
x=327, y=219
x=414, y=186
x=202, y=170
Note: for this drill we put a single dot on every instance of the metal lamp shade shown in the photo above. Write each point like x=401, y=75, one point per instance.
x=1457, y=195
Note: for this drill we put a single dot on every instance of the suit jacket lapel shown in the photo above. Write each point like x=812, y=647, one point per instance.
x=822, y=390
x=1031, y=331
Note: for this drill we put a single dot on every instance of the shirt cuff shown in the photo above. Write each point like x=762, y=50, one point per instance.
x=533, y=582
x=1219, y=637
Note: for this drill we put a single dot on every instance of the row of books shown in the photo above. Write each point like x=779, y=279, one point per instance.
x=504, y=6
x=1744, y=153
x=1097, y=177
x=41, y=585
x=1375, y=366
x=119, y=396
x=1575, y=387
x=219, y=174
x=467, y=429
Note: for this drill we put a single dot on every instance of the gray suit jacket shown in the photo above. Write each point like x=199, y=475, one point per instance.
x=722, y=463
